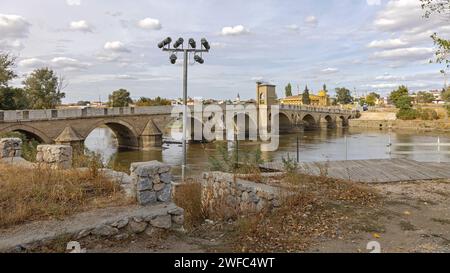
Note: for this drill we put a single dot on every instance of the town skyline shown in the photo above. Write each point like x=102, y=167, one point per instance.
x=101, y=49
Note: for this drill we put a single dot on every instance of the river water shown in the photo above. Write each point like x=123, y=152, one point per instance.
x=322, y=145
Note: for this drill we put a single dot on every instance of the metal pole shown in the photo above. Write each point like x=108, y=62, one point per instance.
x=298, y=150
x=185, y=119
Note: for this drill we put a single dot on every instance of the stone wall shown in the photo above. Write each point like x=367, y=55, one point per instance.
x=152, y=181
x=222, y=189
x=55, y=156
x=10, y=147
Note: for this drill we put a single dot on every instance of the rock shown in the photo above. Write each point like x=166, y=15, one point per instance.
x=120, y=224
x=10, y=147
x=159, y=186
x=55, y=156
x=176, y=211
x=178, y=219
x=105, y=231
x=166, y=178
x=165, y=195
x=83, y=234
x=144, y=184
x=276, y=203
x=162, y=221
x=245, y=197
x=137, y=227
x=146, y=197
x=122, y=237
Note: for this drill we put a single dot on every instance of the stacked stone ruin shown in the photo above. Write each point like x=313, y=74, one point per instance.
x=55, y=156
x=153, y=182
x=10, y=147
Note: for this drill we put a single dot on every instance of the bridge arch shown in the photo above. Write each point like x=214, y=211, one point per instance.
x=30, y=132
x=330, y=122
x=244, y=130
x=309, y=122
x=344, y=121
x=285, y=122
x=126, y=134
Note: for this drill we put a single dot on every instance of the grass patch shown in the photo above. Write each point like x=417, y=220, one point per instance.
x=189, y=197
x=42, y=193
x=441, y=221
x=316, y=207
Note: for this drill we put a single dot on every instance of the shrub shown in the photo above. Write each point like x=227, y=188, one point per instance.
x=242, y=161
x=428, y=114
x=407, y=114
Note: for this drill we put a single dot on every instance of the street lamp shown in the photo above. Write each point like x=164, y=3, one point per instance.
x=192, y=48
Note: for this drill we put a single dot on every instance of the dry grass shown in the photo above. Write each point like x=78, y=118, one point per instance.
x=41, y=193
x=317, y=208
x=189, y=197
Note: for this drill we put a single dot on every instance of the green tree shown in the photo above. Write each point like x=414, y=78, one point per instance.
x=288, y=90
x=305, y=97
x=343, y=96
x=372, y=98
x=13, y=98
x=325, y=88
x=446, y=94
x=441, y=7
x=424, y=97
x=120, y=98
x=399, y=94
x=44, y=89
x=158, y=101
x=6, y=73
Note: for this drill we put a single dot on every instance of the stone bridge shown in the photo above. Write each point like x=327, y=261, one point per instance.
x=143, y=127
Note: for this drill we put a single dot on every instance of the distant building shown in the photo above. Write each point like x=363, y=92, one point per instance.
x=321, y=99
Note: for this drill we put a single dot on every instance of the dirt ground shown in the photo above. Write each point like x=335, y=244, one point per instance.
x=414, y=217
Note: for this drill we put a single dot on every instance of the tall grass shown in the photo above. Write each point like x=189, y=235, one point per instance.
x=42, y=193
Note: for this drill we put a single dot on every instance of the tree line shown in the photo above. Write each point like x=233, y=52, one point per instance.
x=43, y=89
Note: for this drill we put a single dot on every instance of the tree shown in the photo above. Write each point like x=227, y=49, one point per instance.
x=325, y=88
x=424, y=97
x=13, y=98
x=120, y=98
x=446, y=94
x=44, y=89
x=6, y=72
x=399, y=94
x=305, y=97
x=158, y=101
x=343, y=96
x=441, y=7
x=288, y=90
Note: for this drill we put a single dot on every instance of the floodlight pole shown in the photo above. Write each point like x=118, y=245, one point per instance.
x=185, y=102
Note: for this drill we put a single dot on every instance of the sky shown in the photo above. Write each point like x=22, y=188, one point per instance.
x=103, y=45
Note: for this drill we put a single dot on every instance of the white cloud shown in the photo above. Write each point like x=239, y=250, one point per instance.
x=150, y=23
x=125, y=77
x=411, y=53
x=82, y=26
x=390, y=43
x=373, y=2
x=389, y=77
x=11, y=45
x=68, y=63
x=32, y=63
x=116, y=46
x=13, y=26
x=311, y=21
x=330, y=70
x=73, y=2
x=236, y=30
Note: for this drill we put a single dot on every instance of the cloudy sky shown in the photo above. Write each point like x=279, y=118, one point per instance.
x=103, y=45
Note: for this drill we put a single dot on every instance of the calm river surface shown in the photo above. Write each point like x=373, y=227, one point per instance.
x=314, y=146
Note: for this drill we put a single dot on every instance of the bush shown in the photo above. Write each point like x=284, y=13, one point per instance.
x=236, y=161
x=428, y=114
x=408, y=114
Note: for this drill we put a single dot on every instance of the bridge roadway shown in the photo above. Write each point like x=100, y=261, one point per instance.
x=143, y=127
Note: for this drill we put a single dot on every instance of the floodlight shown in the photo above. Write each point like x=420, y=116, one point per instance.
x=192, y=43
x=165, y=42
x=199, y=59
x=173, y=58
x=205, y=44
x=179, y=42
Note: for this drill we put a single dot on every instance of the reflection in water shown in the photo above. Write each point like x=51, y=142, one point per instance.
x=314, y=146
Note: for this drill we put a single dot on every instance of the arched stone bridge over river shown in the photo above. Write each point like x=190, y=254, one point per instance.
x=143, y=127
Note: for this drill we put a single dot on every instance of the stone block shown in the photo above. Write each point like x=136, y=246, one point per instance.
x=10, y=147
x=162, y=221
x=165, y=195
x=146, y=198
x=55, y=156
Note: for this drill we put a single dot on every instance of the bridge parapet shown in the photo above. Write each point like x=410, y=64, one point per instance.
x=55, y=114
